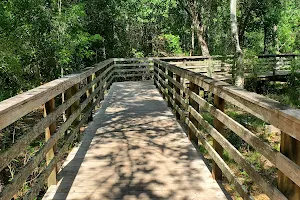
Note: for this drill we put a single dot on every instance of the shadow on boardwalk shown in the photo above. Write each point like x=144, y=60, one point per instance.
x=135, y=149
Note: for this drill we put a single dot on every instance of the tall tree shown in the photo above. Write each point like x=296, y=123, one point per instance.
x=239, y=68
x=192, y=8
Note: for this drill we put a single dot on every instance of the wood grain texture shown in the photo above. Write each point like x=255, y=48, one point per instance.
x=132, y=152
x=16, y=107
x=49, y=131
x=271, y=111
x=220, y=104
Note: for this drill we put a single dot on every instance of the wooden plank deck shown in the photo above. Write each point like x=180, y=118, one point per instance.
x=135, y=149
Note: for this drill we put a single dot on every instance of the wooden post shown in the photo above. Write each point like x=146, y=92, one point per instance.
x=290, y=147
x=88, y=93
x=170, y=94
x=195, y=105
x=97, y=74
x=48, y=108
x=162, y=78
x=155, y=74
x=69, y=93
x=220, y=104
x=178, y=79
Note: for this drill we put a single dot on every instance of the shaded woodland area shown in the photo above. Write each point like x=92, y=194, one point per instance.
x=45, y=39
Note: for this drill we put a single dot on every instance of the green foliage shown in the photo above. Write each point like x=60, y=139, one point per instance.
x=137, y=54
x=172, y=43
x=37, y=41
x=167, y=45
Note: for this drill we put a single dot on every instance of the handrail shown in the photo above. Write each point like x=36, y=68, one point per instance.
x=169, y=79
x=82, y=93
x=16, y=107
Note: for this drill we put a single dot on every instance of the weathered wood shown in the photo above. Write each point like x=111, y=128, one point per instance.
x=131, y=59
x=132, y=70
x=39, y=184
x=281, y=162
x=189, y=58
x=220, y=162
x=285, y=118
x=21, y=177
x=69, y=93
x=271, y=191
x=16, y=107
x=88, y=93
x=177, y=96
x=7, y=156
x=289, y=147
x=175, y=106
x=134, y=65
x=178, y=79
x=49, y=131
x=219, y=126
x=162, y=69
x=195, y=105
x=162, y=148
x=132, y=75
x=170, y=84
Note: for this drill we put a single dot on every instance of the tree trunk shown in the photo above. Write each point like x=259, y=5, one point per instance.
x=239, y=68
x=200, y=34
x=192, y=9
x=192, y=51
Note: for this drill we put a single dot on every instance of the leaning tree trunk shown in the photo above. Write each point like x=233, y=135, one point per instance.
x=200, y=35
x=239, y=68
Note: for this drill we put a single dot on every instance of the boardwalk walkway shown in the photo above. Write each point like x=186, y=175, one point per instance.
x=135, y=149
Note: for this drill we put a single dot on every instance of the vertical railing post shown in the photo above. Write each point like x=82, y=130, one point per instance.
x=220, y=104
x=69, y=93
x=88, y=93
x=290, y=147
x=98, y=83
x=194, y=88
x=177, y=90
x=48, y=108
x=162, y=78
x=170, y=94
x=155, y=74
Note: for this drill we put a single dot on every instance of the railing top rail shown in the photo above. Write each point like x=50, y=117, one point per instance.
x=192, y=57
x=283, y=117
x=277, y=55
x=16, y=107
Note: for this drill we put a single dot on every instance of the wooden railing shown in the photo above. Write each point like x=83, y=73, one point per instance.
x=133, y=69
x=203, y=64
x=190, y=105
x=67, y=105
x=263, y=65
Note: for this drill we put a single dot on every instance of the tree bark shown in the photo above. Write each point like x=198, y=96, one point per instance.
x=239, y=67
x=192, y=51
x=191, y=8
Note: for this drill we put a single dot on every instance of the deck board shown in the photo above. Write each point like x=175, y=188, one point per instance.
x=135, y=149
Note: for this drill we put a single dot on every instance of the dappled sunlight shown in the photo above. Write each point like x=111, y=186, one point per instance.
x=135, y=149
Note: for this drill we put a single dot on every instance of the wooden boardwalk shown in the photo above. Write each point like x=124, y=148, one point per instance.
x=135, y=149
